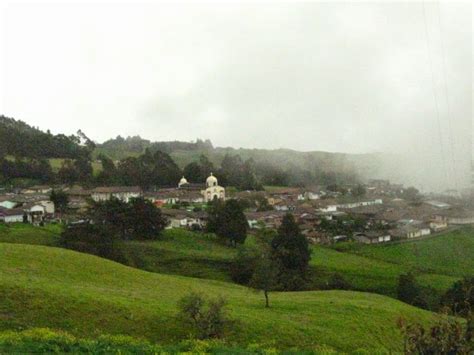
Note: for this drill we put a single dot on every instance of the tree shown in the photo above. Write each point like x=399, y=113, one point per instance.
x=137, y=219
x=460, y=297
x=231, y=223
x=265, y=273
x=359, y=191
x=92, y=239
x=291, y=251
x=192, y=172
x=108, y=174
x=408, y=289
x=60, y=200
x=146, y=220
x=207, y=316
x=338, y=282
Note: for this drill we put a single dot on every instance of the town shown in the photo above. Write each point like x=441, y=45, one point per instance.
x=375, y=212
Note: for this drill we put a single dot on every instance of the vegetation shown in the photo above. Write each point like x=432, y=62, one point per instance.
x=46, y=341
x=290, y=251
x=228, y=221
x=208, y=317
x=86, y=296
x=109, y=223
x=447, y=336
x=446, y=254
x=460, y=297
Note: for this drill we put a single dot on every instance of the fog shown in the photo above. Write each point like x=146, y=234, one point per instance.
x=394, y=78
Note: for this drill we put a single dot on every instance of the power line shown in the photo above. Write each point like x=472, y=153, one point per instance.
x=446, y=91
x=435, y=96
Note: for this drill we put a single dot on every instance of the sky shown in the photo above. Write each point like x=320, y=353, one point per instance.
x=350, y=77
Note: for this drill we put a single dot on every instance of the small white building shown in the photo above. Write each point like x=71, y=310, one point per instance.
x=213, y=190
x=123, y=193
x=11, y=215
x=8, y=204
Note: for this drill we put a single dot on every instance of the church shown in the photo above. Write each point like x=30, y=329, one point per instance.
x=211, y=190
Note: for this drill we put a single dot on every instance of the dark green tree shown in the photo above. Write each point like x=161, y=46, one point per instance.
x=192, y=172
x=460, y=297
x=231, y=223
x=60, y=200
x=408, y=288
x=291, y=252
x=146, y=220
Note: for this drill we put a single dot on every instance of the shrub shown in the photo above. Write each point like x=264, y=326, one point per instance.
x=338, y=282
x=460, y=297
x=207, y=316
x=447, y=336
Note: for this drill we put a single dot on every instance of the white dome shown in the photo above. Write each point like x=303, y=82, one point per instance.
x=211, y=180
x=183, y=181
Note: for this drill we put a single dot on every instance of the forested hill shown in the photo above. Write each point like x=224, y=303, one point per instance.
x=301, y=163
x=25, y=151
x=19, y=139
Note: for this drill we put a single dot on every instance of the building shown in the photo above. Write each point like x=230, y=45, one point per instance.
x=123, y=193
x=372, y=237
x=14, y=215
x=213, y=190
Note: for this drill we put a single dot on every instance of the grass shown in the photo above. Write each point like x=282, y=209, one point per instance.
x=56, y=164
x=449, y=254
x=88, y=296
x=368, y=274
x=28, y=234
x=182, y=252
x=47, y=341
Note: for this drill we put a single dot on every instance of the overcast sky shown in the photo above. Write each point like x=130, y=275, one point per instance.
x=349, y=77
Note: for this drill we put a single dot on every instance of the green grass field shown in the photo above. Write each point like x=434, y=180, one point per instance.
x=88, y=296
x=367, y=268
x=450, y=253
x=28, y=234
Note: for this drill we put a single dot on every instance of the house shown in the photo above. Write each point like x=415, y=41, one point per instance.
x=185, y=219
x=437, y=226
x=372, y=237
x=438, y=204
x=14, y=215
x=8, y=204
x=410, y=232
x=38, y=189
x=34, y=212
x=123, y=193
x=456, y=216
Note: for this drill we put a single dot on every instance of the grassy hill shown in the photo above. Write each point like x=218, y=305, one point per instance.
x=450, y=253
x=87, y=296
x=367, y=268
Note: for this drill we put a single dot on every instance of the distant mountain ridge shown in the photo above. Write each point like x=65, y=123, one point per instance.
x=358, y=165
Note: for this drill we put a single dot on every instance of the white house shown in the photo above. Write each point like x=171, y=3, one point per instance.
x=34, y=212
x=8, y=204
x=123, y=193
x=11, y=215
x=372, y=237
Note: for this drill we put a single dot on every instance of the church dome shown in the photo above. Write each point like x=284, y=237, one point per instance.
x=183, y=181
x=211, y=180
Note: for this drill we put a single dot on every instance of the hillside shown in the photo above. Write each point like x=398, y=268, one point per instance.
x=448, y=254
x=181, y=252
x=19, y=139
x=86, y=296
x=184, y=153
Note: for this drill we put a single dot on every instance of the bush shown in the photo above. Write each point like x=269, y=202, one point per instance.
x=208, y=317
x=460, y=297
x=243, y=265
x=338, y=282
x=447, y=336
